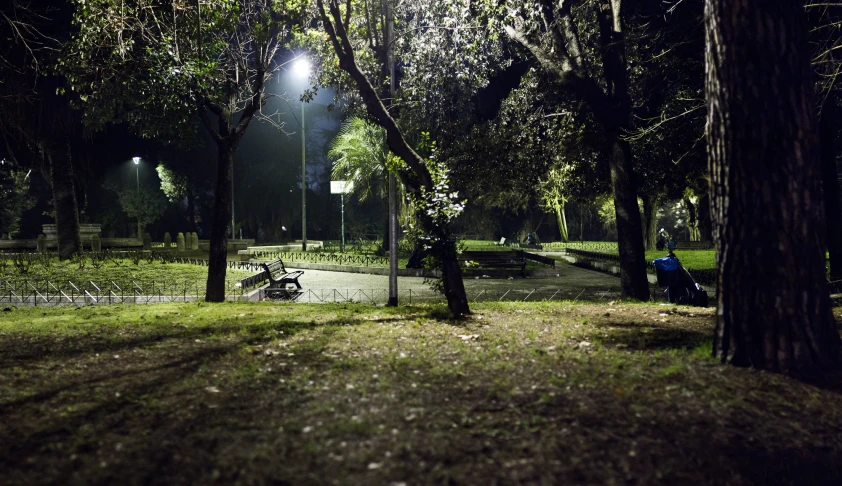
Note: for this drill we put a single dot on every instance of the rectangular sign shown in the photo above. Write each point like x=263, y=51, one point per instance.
x=341, y=187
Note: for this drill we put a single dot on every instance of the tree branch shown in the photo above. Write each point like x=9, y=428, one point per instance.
x=543, y=56
x=394, y=138
x=207, y=122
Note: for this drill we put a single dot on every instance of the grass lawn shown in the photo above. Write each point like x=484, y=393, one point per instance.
x=691, y=259
x=350, y=394
x=122, y=272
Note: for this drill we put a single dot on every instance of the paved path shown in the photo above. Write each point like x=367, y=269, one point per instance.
x=571, y=282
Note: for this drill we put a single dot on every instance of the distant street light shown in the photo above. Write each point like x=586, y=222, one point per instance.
x=301, y=67
x=136, y=161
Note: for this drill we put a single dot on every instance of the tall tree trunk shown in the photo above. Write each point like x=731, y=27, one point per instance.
x=64, y=202
x=773, y=309
x=633, y=281
x=650, y=221
x=562, y=222
x=217, y=260
x=332, y=19
x=615, y=116
x=830, y=186
x=692, y=220
x=191, y=211
x=705, y=229
x=454, y=286
x=560, y=52
x=385, y=247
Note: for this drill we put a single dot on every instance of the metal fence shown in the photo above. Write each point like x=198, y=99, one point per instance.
x=45, y=292
x=96, y=293
x=324, y=257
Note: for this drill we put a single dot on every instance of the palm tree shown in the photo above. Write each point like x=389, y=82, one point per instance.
x=361, y=156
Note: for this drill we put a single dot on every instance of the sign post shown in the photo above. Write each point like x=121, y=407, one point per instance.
x=342, y=188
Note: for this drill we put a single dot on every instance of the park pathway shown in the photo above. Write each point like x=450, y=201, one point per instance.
x=568, y=282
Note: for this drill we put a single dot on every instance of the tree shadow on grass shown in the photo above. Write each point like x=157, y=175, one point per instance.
x=163, y=415
x=651, y=337
x=28, y=451
x=18, y=349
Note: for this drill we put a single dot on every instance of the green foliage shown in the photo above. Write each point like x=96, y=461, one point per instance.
x=360, y=156
x=14, y=200
x=541, y=148
x=154, y=65
x=144, y=204
x=173, y=184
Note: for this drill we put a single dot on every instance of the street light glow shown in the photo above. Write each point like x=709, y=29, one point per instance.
x=301, y=67
x=136, y=160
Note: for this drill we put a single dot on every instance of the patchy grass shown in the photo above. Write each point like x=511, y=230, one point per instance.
x=691, y=259
x=120, y=271
x=349, y=394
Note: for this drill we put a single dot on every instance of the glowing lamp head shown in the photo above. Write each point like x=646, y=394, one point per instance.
x=136, y=160
x=301, y=67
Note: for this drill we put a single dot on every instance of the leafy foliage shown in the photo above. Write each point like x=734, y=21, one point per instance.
x=173, y=184
x=144, y=204
x=14, y=200
x=361, y=156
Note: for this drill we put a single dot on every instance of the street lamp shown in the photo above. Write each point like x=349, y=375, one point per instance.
x=136, y=161
x=301, y=67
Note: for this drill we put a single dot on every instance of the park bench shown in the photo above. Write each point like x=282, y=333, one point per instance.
x=494, y=260
x=693, y=245
x=279, y=279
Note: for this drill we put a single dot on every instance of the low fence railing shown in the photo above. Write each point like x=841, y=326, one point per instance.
x=40, y=292
x=95, y=294
x=321, y=257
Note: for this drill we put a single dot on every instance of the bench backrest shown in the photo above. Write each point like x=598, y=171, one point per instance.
x=275, y=266
x=491, y=255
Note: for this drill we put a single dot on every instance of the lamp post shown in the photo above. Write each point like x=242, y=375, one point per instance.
x=302, y=69
x=136, y=161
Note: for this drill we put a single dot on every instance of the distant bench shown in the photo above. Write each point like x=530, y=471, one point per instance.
x=279, y=279
x=693, y=245
x=513, y=260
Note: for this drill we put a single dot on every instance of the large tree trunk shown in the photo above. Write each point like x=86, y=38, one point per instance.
x=454, y=287
x=615, y=115
x=191, y=211
x=692, y=220
x=561, y=216
x=217, y=260
x=650, y=221
x=332, y=20
x=560, y=52
x=381, y=251
x=830, y=186
x=705, y=229
x=64, y=202
x=773, y=304
x=633, y=281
